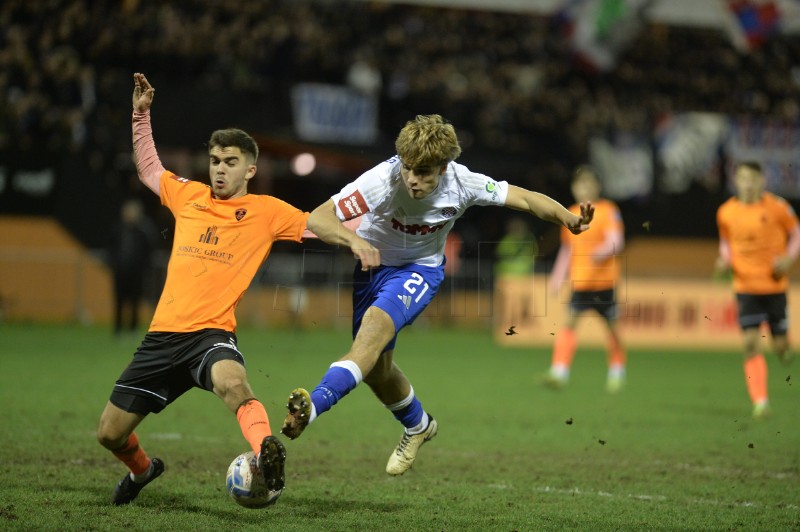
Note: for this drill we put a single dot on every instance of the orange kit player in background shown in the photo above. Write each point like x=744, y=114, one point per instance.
x=759, y=239
x=222, y=236
x=591, y=264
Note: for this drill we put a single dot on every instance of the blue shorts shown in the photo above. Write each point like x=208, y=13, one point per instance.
x=402, y=292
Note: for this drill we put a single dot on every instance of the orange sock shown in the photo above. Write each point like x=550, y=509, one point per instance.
x=133, y=456
x=564, y=348
x=755, y=375
x=254, y=423
x=616, y=354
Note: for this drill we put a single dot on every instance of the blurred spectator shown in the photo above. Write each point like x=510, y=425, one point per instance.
x=515, y=255
x=506, y=79
x=363, y=75
x=516, y=252
x=130, y=250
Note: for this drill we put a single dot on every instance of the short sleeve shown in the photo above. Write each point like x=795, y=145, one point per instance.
x=289, y=222
x=172, y=187
x=481, y=189
x=365, y=193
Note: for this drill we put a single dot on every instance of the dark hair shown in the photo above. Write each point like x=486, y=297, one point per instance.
x=233, y=137
x=751, y=165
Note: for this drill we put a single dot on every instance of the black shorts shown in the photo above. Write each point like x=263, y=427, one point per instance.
x=755, y=309
x=168, y=364
x=604, y=302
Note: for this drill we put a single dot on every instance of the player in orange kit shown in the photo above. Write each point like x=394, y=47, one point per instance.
x=222, y=236
x=590, y=263
x=759, y=239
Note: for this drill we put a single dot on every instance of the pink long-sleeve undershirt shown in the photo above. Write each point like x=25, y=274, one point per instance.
x=148, y=165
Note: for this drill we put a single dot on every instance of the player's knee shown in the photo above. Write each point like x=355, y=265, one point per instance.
x=109, y=438
x=780, y=346
x=233, y=390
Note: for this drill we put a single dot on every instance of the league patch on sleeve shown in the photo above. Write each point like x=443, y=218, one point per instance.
x=353, y=205
x=178, y=178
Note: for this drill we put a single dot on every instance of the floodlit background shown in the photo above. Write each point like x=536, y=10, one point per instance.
x=660, y=96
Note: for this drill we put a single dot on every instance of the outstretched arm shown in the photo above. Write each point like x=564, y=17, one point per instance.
x=560, y=268
x=784, y=262
x=148, y=165
x=324, y=223
x=723, y=264
x=549, y=209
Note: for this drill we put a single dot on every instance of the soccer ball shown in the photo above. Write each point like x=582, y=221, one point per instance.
x=245, y=484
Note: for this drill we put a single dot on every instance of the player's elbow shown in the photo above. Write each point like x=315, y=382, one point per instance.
x=313, y=222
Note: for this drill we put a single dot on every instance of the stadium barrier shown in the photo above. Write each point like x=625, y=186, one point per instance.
x=47, y=276
x=653, y=312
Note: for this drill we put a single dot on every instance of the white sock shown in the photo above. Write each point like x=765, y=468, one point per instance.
x=616, y=372
x=352, y=367
x=144, y=476
x=420, y=427
x=559, y=371
x=403, y=402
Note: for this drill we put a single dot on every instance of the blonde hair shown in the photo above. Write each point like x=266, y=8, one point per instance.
x=427, y=140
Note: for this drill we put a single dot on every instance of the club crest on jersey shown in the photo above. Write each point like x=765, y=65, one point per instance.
x=449, y=212
x=240, y=214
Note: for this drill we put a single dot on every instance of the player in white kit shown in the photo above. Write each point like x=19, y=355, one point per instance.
x=407, y=206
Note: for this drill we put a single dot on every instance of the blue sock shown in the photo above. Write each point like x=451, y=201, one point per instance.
x=337, y=382
x=410, y=413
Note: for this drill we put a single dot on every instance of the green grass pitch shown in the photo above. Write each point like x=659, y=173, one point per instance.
x=676, y=450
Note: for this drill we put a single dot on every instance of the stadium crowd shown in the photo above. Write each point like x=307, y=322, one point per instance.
x=507, y=80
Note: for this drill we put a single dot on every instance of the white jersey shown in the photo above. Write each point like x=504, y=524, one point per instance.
x=408, y=230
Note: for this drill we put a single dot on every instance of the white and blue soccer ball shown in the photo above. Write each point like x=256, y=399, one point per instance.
x=245, y=484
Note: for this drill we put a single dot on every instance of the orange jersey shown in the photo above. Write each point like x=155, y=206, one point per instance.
x=584, y=272
x=218, y=248
x=757, y=234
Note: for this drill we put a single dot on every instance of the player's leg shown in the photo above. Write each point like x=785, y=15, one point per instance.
x=393, y=389
x=115, y=432
x=616, y=356
x=229, y=383
x=138, y=391
x=779, y=327
x=565, y=345
x=753, y=311
x=384, y=301
x=755, y=372
x=782, y=348
x=376, y=330
x=221, y=369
